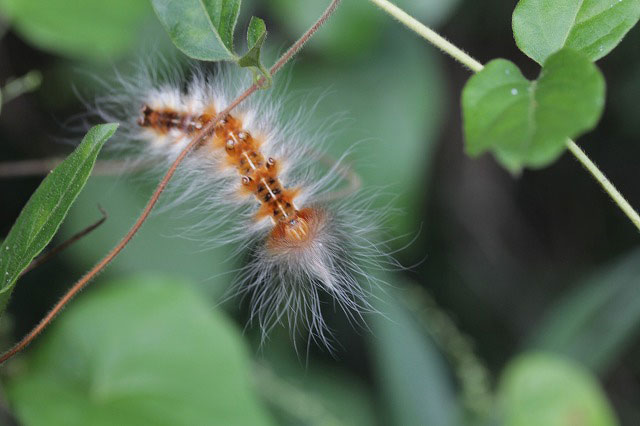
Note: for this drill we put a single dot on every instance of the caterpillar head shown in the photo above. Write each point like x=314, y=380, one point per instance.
x=297, y=233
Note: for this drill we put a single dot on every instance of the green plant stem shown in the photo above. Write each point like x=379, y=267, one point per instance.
x=429, y=35
x=468, y=61
x=617, y=197
x=27, y=83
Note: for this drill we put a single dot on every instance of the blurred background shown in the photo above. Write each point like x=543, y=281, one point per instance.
x=523, y=303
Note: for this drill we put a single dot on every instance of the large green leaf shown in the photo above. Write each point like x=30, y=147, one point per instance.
x=543, y=389
x=527, y=123
x=592, y=27
x=414, y=378
x=319, y=392
x=202, y=29
x=46, y=209
x=86, y=29
x=145, y=351
x=599, y=319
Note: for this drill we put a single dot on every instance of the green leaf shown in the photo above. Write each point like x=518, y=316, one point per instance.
x=543, y=389
x=414, y=378
x=46, y=209
x=527, y=123
x=143, y=351
x=202, y=29
x=604, y=309
x=592, y=27
x=256, y=35
x=87, y=29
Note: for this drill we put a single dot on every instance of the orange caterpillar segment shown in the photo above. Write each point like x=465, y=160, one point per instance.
x=259, y=175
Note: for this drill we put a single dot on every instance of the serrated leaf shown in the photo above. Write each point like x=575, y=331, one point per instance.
x=527, y=123
x=603, y=309
x=256, y=35
x=202, y=29
x=141, y=351
x=592, y=27
x=87, y=29
x=46, y=209
x=544, y=389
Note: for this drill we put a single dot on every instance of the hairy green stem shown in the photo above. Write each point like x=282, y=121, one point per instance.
x=606, y=183
x=429, y=35
x=474, y=65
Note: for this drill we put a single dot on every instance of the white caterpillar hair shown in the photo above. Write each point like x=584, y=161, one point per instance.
x=260, y=180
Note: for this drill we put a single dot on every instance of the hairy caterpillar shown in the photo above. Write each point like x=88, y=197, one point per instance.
x=258, y=177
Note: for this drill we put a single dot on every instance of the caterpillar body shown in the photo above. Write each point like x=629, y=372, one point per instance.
x=258, y=178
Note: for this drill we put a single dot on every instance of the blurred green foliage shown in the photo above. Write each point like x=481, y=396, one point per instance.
x=141, y=351
x=598, y=319
x=543, y=389
x=158, y=350
x=83, y=29
x=412, y=373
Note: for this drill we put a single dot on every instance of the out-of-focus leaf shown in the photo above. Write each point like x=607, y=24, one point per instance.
x=528, y=122
x=413, y=377
x=202, y=29
x=596, y=322
x=144, y=351
x=543, y=389
x=46, y=209
x=591, y=27
x=86, y=29
x=316, y=393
